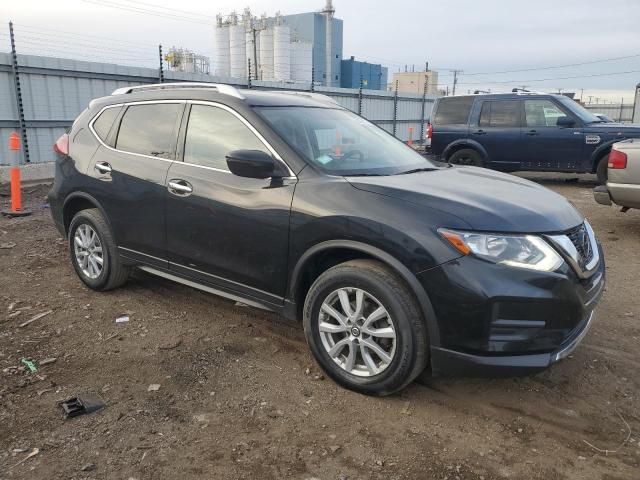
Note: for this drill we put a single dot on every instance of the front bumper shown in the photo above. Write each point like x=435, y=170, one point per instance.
x=495, y=320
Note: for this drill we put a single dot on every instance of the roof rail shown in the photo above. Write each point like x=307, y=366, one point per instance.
x=220, y=87
x=317, y=96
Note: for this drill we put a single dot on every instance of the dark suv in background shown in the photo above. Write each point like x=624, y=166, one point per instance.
x=287, y=201
x=524, y=131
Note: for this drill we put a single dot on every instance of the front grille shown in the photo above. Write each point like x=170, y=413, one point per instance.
x=580, y=239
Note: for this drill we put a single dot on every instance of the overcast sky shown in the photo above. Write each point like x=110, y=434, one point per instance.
x=471, y=35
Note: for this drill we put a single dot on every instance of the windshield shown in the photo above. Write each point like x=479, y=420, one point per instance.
x=582, y=113
x=340, y=142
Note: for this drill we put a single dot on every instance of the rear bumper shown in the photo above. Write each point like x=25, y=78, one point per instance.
x=601, y=195
x=623, y=194
x=445, y=362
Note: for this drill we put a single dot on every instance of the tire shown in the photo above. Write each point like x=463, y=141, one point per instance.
x=467, y=156
x=602, y=170
x=112, y=273
x=408, y=351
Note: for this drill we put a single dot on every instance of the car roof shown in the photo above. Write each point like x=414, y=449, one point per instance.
x=222, y=93
x=505, y=95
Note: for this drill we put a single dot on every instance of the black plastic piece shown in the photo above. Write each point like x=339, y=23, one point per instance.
x=81, y=405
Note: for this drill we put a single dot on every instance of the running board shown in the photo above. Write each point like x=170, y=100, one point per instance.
x=204, y=288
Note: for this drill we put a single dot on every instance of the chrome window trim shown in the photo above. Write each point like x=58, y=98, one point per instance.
x=251, y=129
x=147, y=102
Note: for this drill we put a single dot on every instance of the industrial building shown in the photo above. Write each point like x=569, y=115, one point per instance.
x=373, y=76
x=184, y=60
x=414, y=82
x=285, y=48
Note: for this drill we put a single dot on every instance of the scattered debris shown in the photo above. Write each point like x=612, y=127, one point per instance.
x=334, y=448
x=406, y=408
x=42, y=392
x=47, y=361
x=240, y=304
x=29, y=364
x=170, y=345
x=154, y=387
x=122, y=319
x=113, y=335
x=88, y=467
x=37, y=317
x=82, y=404
x=604, y=450
x=33, y=453
x=7, y=245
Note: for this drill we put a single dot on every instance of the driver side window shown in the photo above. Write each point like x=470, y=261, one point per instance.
x=542, y=113
x=212, y=133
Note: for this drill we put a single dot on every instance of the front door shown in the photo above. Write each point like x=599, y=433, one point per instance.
x=548, y=146
x=498, y=131
x=130, y=171
x=225, y=230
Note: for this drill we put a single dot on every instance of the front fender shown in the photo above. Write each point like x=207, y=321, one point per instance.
x=384, y=257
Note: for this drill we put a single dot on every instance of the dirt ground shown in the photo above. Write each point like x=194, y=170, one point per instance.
x=241, y=397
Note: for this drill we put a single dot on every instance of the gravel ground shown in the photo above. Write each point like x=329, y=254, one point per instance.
x=240, y=396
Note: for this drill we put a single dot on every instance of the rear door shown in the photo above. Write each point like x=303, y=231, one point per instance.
x=546, y=145
x=498, y=130
x=129, y=171
x=225, y=230
x=450, y=122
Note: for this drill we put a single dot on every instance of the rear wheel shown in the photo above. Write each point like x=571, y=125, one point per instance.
x=602, y=171
x=467, y=156
x=93, y=251
x=365, y=328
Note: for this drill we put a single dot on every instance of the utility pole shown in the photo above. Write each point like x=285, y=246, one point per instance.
x=18, y=92
x=161, y=70
x=590, y=97
x=254, y=31
x=249, y=73
x=424, y=102
x=455, y=81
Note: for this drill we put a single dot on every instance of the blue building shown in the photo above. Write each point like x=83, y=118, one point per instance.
x=373, y=76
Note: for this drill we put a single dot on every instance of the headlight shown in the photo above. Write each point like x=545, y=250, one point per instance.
x=524, y=251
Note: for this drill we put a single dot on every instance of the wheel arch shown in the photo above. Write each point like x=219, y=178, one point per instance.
x=338, y=251
x=462, y=144
x=77, y=201
x=599, y=153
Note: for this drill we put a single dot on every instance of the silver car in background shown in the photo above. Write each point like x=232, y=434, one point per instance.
x=623, y=183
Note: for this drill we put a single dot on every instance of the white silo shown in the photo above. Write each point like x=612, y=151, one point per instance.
x=237, y=50
x=265, y=55
x=301, y=61
x=281, y=51
x=221, y=48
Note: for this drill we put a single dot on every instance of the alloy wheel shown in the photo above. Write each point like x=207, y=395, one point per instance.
x=357, y=332
x=88, y=251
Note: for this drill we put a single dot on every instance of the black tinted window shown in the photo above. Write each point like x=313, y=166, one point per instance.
x=104, y=122
x=212, y=133
x=502, y=113
x=453, y=111
x=149, y=129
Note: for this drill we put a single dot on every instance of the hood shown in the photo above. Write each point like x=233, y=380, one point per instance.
x=485, y=199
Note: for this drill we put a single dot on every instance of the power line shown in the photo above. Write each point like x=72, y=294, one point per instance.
x=155, y=5
x=130, y=8
x=488, y=82
x=557, y=66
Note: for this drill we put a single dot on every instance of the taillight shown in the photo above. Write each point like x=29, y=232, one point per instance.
x=62, y=145
x=617, y=159
x=430, y=131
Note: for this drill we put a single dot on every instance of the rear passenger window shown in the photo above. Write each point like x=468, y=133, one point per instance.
x=453, y=111
x=502, y=114
x=149, y=129
x=104, y=122
x=212, y=133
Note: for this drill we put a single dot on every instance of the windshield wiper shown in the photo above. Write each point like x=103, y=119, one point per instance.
x=416, y=170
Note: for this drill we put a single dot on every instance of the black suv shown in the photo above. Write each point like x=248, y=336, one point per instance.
x=287, y=201
x=524, y=131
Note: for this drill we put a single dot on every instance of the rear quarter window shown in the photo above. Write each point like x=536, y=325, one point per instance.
x=453, y=111
x=103, y=124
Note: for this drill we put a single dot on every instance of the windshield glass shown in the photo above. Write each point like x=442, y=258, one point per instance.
x=340, y=142
x=578, y=110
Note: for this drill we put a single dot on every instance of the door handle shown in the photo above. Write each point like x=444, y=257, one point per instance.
x=180, y=187
x=102, y=167
x=480, y=132
x=532, y=133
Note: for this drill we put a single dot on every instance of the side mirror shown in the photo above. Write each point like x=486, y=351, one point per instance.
x=251, y=163
x=565, y=122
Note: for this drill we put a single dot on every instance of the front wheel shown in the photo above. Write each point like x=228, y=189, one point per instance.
x=467, y=156
x=365, y=328
x=602, y=171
